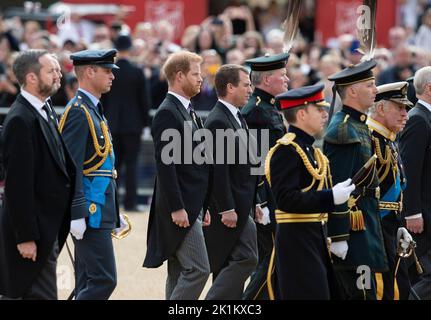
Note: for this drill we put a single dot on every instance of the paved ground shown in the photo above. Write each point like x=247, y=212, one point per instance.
x=134, y=281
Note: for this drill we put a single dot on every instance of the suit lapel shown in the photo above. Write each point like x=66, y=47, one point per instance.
x=235, y=125
x=47, y=134
x=186, y=116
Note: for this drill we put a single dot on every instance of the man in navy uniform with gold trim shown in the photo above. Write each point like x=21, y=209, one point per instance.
x=387, y=117
x=94, y=206
x=301, y=183
x=355, y=227
x=268, y=76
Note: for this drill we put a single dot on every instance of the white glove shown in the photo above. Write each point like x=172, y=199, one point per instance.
x=77, y=228
x=123, y=225
x=404, y=238
x=340, y=249
x=341, y=191
x=265, y=218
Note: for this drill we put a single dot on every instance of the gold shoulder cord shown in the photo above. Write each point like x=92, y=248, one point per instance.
x=101, y=151
x=321, y=173
x=384, y=161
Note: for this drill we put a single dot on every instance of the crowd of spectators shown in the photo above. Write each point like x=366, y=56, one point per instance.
x=235, y=35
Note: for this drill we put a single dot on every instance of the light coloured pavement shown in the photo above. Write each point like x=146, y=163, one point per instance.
x=134, y=281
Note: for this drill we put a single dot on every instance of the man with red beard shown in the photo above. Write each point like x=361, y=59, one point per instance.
x=178, y=208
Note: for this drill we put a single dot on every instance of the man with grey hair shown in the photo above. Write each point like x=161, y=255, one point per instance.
x=415, y=147
x=387, y=117
x=268, y=76
x=34, y=222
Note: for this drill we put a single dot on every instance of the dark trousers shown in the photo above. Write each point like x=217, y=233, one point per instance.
x=126, y=148
x=351, y=286
x=422, y=287
x=95, y=271
x=257, y=288
x=44, y=286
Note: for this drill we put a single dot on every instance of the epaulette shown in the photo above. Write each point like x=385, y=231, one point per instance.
x=285, y=141
x=341, y=130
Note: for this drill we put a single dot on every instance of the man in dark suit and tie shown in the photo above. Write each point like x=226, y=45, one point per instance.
x=35, y=219
x=126, y=108
x=178, y=204
x=415, y=148
x=231, y=237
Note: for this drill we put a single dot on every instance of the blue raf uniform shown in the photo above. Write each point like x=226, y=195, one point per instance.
x=86, y=134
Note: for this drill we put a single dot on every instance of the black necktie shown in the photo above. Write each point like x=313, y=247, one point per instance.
x=195, y=118
x=100, y=108
x=52, y=123
x=243, y=123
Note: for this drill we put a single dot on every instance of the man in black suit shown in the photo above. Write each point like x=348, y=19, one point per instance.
x=35, y=219
x=175, y=223
x=415, y=148
x=126, y=110
x=231, y=238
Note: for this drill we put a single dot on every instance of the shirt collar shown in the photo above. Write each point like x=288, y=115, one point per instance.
x=234, y=110
x=425, y=104
x=184, y=101
x=355, y=114
x=381, y=129
x=34, y=101
x=92, y=98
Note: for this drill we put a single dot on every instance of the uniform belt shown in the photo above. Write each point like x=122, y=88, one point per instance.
x=103, y=173
x=284, y=217
x=368, y=192
x=386, y=205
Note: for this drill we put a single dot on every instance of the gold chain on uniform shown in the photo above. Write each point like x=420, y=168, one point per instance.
x=321, y=173
x=101, y=151
x=388, y=161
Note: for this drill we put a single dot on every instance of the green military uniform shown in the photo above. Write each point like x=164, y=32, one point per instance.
x=347, y=144
x=261, y=113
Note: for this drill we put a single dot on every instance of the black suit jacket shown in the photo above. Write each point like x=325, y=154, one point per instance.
x=233, y=187
x=415, y=148
x=38, y=190
x=178, y=185
x=126, y=104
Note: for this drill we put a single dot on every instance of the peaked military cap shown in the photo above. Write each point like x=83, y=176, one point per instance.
x=268, y=63
x=396, y=92
x=354, y=73
x=102, y=58
x=302, y=96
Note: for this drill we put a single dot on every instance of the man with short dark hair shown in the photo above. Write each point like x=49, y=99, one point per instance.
x=231, y=237
x=39, y=184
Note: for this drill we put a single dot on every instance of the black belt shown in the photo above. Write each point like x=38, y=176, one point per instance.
x=367, y=192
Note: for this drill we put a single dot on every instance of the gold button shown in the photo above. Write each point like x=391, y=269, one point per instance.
x=93, y=208
x=363, y=118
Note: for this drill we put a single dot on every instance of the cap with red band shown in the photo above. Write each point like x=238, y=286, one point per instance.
x=302, y=96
